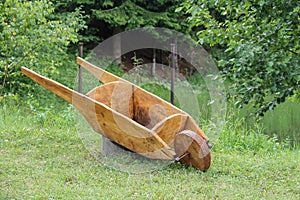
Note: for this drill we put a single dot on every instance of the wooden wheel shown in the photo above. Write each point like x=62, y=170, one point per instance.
x=192, y=150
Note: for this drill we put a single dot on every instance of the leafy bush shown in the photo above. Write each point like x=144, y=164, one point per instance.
x=256, y=44
x=30, y=35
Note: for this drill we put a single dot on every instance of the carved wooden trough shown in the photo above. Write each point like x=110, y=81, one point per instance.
x=134, y=118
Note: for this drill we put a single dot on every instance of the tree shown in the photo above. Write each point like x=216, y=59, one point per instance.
x=30, y=35
x=256, y=45
x=139, y=13
x=107, y=17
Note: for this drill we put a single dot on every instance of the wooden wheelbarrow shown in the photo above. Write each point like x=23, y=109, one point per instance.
x=134, y=118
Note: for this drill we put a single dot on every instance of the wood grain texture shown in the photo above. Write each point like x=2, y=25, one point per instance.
x=192, y=150
x=117, y=95
x=113, y=125
x=149, y=109
x=102, y=75
x=169, y=127
x=192, y=125
x=134, y=118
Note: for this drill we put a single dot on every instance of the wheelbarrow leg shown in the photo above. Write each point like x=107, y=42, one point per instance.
x=110, y=148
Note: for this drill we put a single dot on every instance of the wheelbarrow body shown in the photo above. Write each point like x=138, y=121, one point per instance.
x=134, y=118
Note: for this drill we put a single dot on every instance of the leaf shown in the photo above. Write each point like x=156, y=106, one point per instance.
x=255, y=41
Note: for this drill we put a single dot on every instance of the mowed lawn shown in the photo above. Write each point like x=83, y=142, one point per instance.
x=42, y=157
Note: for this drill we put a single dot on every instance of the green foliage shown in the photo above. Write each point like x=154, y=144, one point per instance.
x=30, y=35
x=106, y=17
x=238, y=137
x=139, y=13
x=256, y=44
x=284, y=121
x=115, y=69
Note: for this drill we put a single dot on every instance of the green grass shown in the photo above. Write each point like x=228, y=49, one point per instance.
x=42, y=157
x=284, y=121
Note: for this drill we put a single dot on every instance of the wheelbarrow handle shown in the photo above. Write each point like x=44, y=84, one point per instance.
x=102, y=75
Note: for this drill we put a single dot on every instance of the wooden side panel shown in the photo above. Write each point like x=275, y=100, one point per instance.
x=168, y=128
x=149, y=109
x=102, y=94
x=108, y=122
x=116, y=95
x=192, y=125
x=132, y=135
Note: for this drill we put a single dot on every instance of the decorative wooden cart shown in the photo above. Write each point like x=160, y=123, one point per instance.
x=134, y=118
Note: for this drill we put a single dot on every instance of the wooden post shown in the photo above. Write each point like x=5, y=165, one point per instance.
x=173, y=68
x=80, y=54
x=153, y=63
